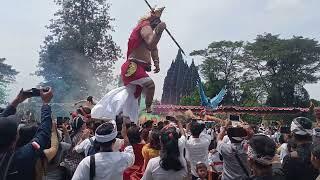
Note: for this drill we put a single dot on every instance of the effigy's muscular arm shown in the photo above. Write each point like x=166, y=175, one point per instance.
x=152, y=38
x=155, y=58
x=155, y=55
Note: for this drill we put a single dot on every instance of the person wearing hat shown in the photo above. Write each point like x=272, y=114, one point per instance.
x=106, y=164
x=297, y=165
x=234, y=157
x=19, y=163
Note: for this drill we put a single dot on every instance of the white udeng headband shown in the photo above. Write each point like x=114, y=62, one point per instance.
x=108, y=137
x=298, y=129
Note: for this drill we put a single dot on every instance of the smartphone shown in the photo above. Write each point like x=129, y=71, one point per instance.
x=285, y=130
x=34, y=92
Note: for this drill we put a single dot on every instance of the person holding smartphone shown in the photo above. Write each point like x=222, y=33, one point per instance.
x=234, y=157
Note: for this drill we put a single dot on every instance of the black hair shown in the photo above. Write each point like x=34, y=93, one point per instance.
x=77, y=124
x=119, y=121
x=107, y=146
x=147, y=124
x=134, y=135
x=196, y=128
x=160, y=125
x=169, y=152
x=263, y=146
x=213, y=145
x=154, y=139
x=96, y=125
x=291, y=145
x=166, y=122
x=106, y=129
x=316, y=150
x=90, y=99
x=281, y=139
x=26, y=134
x=299, y=137
x=8, y=133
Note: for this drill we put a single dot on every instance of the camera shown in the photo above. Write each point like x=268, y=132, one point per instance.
x=34, y=92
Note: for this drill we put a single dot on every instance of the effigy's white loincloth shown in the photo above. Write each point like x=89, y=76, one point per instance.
x=118, y=100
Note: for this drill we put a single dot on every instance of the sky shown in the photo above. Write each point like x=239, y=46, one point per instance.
x=194, y=23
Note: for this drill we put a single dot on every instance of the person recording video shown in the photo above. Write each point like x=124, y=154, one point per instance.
x=234, y=157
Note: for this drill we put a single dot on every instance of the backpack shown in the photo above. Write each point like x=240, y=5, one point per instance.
x=92, y=167
x=92, y=149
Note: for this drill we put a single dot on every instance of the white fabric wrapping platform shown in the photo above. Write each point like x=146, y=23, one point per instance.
x=116, y=101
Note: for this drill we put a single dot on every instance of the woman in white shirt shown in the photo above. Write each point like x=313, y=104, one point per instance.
x=168, y=166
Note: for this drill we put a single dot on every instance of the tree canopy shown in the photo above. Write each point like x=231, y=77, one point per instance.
x=77, y=57
x=7, y=76
x=269, y=71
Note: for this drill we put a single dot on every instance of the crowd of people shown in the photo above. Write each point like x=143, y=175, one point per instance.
x=176, y=148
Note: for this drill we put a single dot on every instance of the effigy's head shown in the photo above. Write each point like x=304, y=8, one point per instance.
x=154, y=14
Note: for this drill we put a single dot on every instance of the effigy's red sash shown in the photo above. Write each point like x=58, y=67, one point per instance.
x=131, y=71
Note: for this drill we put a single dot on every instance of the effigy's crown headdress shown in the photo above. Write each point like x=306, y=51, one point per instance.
x=157, y=11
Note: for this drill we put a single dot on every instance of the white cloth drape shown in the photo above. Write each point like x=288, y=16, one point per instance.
x=116, y=101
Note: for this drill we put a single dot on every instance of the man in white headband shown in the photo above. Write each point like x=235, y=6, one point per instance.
x=297, y=164
x=261, y=151
x=106, y=164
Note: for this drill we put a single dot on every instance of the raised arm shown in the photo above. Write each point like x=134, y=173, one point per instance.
x=52, y=151
x=11, y=108
x=223, y=131
x=42, y=136
x=152, y=38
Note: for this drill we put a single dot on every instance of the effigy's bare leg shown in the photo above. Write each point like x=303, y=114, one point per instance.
x=149, y=89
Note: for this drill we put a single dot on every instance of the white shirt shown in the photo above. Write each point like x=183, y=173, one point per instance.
x=109, y=165
x=231, y=167
x=197, y=151
x=155, y=172
x=182, y=145
x=85, y=145
x=215, y=161
x=283, y=151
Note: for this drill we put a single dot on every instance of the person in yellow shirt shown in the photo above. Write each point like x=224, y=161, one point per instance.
x=151, y=149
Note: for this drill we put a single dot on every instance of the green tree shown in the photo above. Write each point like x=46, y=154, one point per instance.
x=221, y=63
x=191, y=100
x=78, y=57
x=282, y=67
x=7, y=76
